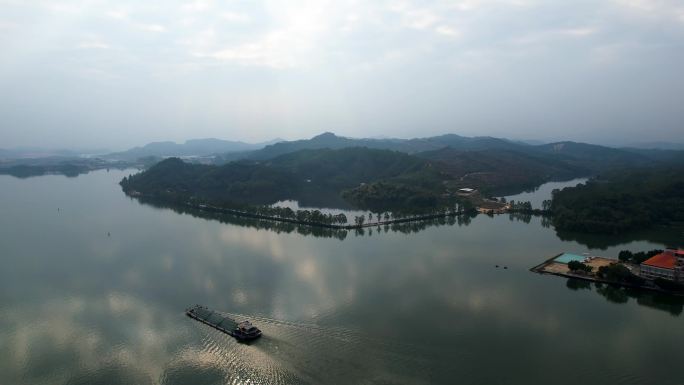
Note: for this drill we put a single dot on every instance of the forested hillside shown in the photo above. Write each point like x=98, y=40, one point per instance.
x=287, y=177
x=622, y=200
x=501, y=170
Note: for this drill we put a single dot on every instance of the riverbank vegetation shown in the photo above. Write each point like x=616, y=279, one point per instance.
x=638, y=257
x=394, y=187
x=421, y=185
x=619, y=274
x=621, y=201
x=377, y=180
x=376, y=224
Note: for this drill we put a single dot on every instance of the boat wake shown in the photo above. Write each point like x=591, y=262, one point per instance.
x=298, y=352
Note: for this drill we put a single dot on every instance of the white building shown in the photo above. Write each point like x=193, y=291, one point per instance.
x=667, y=265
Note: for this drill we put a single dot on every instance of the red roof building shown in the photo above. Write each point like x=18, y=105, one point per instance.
x=668, y=265
x=662, y=260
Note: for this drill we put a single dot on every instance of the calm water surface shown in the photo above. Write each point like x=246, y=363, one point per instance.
x=543, y=192
x=79, y=306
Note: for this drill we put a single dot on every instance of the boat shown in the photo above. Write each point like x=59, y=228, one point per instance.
x=241, y=331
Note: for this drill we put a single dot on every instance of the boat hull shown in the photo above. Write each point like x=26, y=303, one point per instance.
x=231, y=330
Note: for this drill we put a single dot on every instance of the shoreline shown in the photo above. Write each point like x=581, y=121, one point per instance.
x=540, y=269
x=240, y=213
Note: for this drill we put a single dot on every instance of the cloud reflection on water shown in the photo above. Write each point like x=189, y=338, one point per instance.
x=107, y=309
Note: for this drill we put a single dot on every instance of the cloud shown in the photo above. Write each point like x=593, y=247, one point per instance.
x=661, y=9
x=197, y=6
x=378, y=57
x=117, y=14
x=7, y=25
x=447, y=31
x=414, y=17
x=291, y=40
x=235, y=17
x=579, y=32
x=156, y=28
x=93, y=45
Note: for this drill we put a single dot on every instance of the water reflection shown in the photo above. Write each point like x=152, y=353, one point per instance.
x=121, y=340
x=323, y=232
x=671, y=236
x=622, y=295
x=77, y=306
x=521, y=217
x=538, y=194
x=668, y=236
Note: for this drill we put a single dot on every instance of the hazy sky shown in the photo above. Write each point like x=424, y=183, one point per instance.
x=121, y=73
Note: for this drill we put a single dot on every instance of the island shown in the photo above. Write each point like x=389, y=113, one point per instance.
x=657, y=270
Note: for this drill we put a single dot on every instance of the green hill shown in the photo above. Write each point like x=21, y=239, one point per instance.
x=596, y=158
x=379, y=179
x=329, y=140
x=291, y=176
x=622, y=200
x=497, y=170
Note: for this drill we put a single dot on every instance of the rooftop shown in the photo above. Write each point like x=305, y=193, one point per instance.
x=662, y=260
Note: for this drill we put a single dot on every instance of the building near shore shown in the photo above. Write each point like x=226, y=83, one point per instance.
x=667, y=265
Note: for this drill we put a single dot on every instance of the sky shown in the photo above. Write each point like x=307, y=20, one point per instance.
x=115, y=74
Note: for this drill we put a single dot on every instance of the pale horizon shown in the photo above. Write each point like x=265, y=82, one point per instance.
x=104, y=74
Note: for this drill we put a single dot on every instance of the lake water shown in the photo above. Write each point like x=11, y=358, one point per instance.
x=543, y=192
x=93, y=286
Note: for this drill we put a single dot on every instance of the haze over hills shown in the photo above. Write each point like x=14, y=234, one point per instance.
x=656, y=146
x=410, y=146
x=39, y=153
x=481, y=162
x=383, y=173
x=593, y=157
x=583, y=157
x=228, y=150
x=192, y=147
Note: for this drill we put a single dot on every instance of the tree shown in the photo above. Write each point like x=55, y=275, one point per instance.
x=618, y=273
x=578, y=266
x=576, y=284
x=341, y=218
x=625, y=255
x=621, y=200
x=668, y=285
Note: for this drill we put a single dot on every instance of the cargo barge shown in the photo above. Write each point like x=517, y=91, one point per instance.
x=241, y=331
